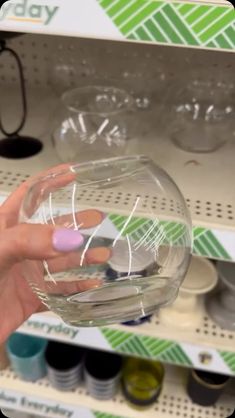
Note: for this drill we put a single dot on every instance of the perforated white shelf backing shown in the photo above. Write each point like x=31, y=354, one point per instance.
x=206, y=185
x=173, y=401
x=208, y=334
x=80, y=61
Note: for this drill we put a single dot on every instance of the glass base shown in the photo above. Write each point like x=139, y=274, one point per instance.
x=82, y=310
x=188, y=146
x=17, y=147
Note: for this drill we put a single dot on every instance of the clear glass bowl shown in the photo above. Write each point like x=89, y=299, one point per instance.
x=203, y=116
x=130, y=205
x=93, y=122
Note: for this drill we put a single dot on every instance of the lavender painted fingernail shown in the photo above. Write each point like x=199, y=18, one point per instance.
x=66, y=240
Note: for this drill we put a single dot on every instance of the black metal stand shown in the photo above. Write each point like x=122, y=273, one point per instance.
x=14, y=145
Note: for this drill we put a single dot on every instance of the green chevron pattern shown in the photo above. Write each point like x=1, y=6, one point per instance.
x=149, y=230
x=175, y=355
x=176, y=23
x=166, y=351
x=147, y=347
x=205, y=242
x=229, y=359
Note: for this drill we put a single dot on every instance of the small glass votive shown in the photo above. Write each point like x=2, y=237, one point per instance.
x=142, y=382
x=203, y=116
x=64, y=365
x=102, y=374
x=205, y=388
x=27, y=356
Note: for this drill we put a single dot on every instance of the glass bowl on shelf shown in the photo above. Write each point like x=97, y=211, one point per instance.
x=93, y=122
x=203, y=116
x=124, y=199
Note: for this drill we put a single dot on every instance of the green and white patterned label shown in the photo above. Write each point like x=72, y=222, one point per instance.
x=174, y=23
x=147, y=347
x=207, y=243
x=192, y=23
x=123, y=341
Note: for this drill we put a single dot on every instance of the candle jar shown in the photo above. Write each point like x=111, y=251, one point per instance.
x=142, y=382
x=205, y=388
x=102, y=374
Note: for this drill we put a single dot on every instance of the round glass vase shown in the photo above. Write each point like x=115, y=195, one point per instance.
x=203, y=116
x=126, y=199
x=93, y=122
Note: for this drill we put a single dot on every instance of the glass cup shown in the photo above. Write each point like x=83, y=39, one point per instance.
x=205, y=388
x=26, y=355
x=203, y=116
x=93, y=122
x=64, y=365
x=126, y=199
x=142, y=382
x=102, y=374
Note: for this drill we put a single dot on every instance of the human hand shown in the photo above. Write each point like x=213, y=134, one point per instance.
x=17, y=243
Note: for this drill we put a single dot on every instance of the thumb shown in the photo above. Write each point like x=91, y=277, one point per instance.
x=35, y=242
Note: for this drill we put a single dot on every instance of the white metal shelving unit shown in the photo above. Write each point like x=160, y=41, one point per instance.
x=209, y=347
x=199, y=177
x=202, y=25
x=43, y=400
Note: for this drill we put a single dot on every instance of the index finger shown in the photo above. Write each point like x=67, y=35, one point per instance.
x=85, y=219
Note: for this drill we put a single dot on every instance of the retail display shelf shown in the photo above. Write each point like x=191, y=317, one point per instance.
x=208, y=347
x=204, y=179
x=45, y=401
x=196, y=23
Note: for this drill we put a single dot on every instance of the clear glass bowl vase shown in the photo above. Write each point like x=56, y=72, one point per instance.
x=203, y=116
x=126, y=205
x=93, y=122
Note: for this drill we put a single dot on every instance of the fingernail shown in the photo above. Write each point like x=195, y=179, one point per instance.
x=66, y=240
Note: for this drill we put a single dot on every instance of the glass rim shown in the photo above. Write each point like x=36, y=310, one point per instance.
x=129, y=104
x=90, y=165
x=11, y=347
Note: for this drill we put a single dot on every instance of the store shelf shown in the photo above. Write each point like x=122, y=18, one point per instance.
x=40, y=398
x=204, y=179
x=208, y=347
x=212, y=203
x=200, y=24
